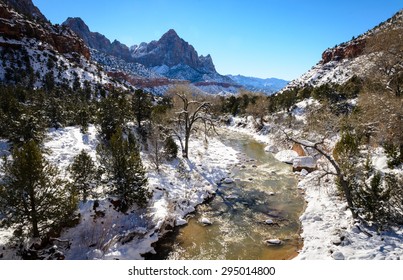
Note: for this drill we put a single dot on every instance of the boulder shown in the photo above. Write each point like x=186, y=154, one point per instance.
x=271, y=149
x=304, y=172
x=273, y=242
x=286, y=156
x=206, y=221
x=231, y=196
x=299, y=149
x=228, y=181
x=180, y=221
x=337, y=255
x=306, y=162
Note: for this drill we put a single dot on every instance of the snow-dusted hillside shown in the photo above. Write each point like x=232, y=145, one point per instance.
x=341, y=63
x=269, y=86
x=105, y=233
x=337, y=72
x=37, y=54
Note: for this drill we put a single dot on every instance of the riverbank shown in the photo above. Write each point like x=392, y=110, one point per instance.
x=258, y=202
x=104, y=233
x=328, y=229
x=329, y=232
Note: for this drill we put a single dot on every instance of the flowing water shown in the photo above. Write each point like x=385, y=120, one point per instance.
x=263, y=189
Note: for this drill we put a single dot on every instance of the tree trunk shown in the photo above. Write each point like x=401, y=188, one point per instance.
x=186, y=149
x=347, y=193
x=401, y=152
x=34, y=217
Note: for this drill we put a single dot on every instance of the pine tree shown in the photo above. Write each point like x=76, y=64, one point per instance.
x=142, y=106
x=32, y=196
x=84, y=174
x=114, y=112
x=170, y=148
x=124, y=170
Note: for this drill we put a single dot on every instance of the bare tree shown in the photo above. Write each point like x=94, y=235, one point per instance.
x=258, y=106
x=342, y=177
x=190, y=111
x=386, y=49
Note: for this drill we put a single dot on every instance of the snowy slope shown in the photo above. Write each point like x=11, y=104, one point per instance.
x=269, y=86
x=178, y=188
x=341, y=63
x=36, y=53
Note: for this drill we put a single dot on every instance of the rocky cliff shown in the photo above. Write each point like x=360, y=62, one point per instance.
x=171, y=50
x=36, y=54
x=25, y=7
x=14, y=25
x=96, y=40
x=341, y=63
x=349, y=50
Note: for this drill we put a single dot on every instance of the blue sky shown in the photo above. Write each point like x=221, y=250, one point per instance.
x=260, y=38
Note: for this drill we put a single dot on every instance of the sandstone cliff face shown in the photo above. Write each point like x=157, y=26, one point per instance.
x=349, y=50
x=171, y=51
x=25, y=7
x=96, y=40
x=170, y=57
x=16, y=26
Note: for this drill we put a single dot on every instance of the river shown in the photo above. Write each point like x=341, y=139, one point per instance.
x=262, y=203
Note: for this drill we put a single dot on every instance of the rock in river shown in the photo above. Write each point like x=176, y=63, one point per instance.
x=273, y=242
x=206, y=221
x=286, y=156
x=307, y=162
x=228, y=180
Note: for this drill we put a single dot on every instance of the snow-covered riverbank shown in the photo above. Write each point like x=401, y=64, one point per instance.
x=329, y=231
x=178, y=187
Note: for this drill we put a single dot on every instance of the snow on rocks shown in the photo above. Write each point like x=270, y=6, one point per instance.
x=271, y=149
x=273, y=242
x=304, y=172
x=337, y=255
x=180, y=221
x=307, y=163
x=327, y=220
x=329, y=231
x=228, y=181
x=177, y=189
x=286, y=156
x=205, y=221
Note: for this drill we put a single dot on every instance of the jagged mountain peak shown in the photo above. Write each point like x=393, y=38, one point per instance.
x=96, y=40
x=171, y=33
x=172, y=51
x=77, y=23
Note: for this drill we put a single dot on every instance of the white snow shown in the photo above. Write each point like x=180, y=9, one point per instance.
x=304, y=162
x=104, y=233
x=287, y=156
x=273, y=242
x=337, y=72
x=271, y=149
x=65, y=143
x=329, y=232
x=206, y=221
x=328, y=229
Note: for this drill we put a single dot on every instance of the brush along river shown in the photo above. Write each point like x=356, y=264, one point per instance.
x=262, y=203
